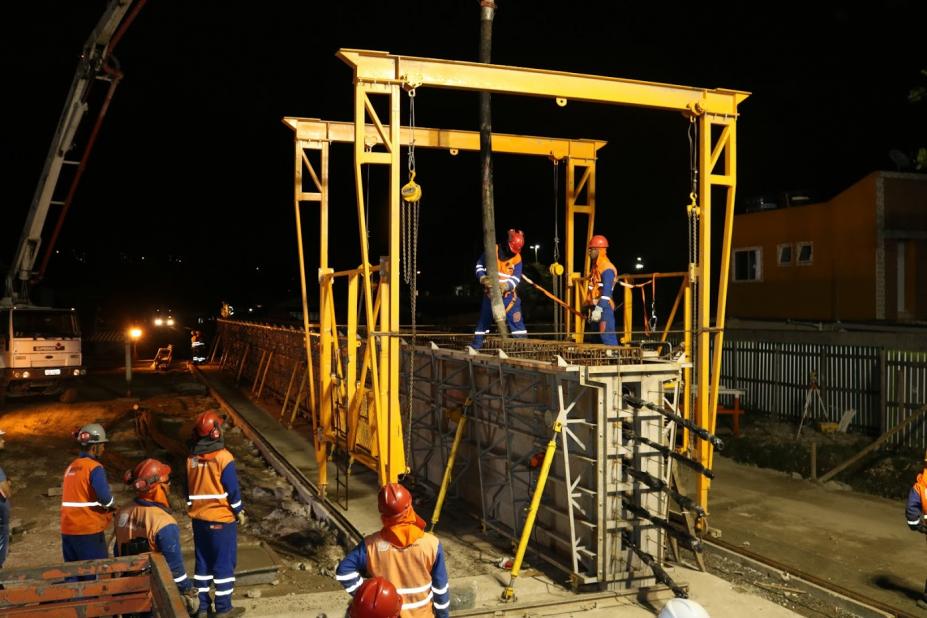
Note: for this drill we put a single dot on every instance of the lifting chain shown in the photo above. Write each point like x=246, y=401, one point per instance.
x=409, y=214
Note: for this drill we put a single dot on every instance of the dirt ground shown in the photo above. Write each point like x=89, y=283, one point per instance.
x=767, y=443
x=40, y=446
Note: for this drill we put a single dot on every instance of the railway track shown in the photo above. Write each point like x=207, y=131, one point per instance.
x=836, y=596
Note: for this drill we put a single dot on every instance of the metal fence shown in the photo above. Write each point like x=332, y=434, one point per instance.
x=906, y=391
x=777, y=379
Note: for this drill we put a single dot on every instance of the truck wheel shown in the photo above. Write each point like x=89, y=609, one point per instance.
x=69, y=395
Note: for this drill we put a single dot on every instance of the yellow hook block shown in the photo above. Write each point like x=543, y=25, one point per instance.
x=411, y=192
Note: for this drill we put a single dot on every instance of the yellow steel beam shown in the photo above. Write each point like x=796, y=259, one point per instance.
x=313, y=129
x=383, y=67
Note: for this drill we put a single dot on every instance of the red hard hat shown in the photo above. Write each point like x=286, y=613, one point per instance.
x=516, y=240
x=393, y=500
x=147, y=474
x=598, y=242
x=376, y=598
x=209, y=424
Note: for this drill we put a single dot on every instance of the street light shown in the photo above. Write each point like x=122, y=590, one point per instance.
x=535, y=247
x=132, y=336
x=639, y=265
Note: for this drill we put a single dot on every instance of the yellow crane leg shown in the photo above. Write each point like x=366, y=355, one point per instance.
x=509, y=593
x=442, y=494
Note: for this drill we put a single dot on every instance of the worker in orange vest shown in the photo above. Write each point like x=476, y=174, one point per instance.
x=599, y=289
x=147, y=524
x=402, y=553
x=87, y=503
x=375, y=598
x=509, y=266
x=5, y=491
x=214, y=505
x=916, y=514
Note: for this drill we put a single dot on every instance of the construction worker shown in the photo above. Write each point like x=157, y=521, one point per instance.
x=375, y=598
x=508, y=260
x=197, y=347
x=599, y=290
x=4, y=509
x=214, y=505
x=916, y=514
x=87, y=503
x=147, y=525
x=404, y=554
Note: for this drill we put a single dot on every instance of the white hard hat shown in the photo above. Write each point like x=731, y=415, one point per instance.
x=682, y=608
x=92, y=433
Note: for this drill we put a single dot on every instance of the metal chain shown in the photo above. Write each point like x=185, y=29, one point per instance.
x=410, y=213
x=556, y=213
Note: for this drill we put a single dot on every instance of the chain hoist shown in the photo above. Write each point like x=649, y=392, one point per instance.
x=409, y=214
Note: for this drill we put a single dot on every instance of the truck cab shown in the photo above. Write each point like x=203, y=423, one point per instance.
x=40, y=349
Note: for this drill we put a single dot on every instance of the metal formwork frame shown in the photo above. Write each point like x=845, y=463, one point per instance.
x=341, y=391
x=383, y=73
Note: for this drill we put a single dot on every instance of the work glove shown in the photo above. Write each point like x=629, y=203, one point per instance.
x=596, y=314
x=484, y=281
x=191, y=598
x=504, y=288
x=242, y=518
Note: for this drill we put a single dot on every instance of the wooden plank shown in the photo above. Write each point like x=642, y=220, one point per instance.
x=86, y=608
x=64, y=591
x=75, y=569
x=916, y=415
x=166, y=599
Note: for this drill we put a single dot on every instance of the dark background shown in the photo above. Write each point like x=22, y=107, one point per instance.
x=193, y=168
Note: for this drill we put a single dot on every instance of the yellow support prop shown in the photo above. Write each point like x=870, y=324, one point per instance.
x=442, y=494
x=509, y=593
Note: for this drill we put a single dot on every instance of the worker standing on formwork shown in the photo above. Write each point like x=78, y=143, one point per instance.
x=916, y=514
x=599, y=290
x=197, y=347
x=509, y=266
x=86, y=499
x=5, y=491
x=214, y=505
x=147, y=524
x=402, y=553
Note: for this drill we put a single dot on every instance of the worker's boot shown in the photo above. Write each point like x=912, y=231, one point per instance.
x=235, y=611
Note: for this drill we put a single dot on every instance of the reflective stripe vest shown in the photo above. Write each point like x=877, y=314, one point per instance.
x=207, y=499
x=594, y=288
x=141, y=522
x=81, y=513
x=408, y=568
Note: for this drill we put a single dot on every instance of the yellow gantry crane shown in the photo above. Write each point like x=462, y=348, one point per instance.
x=378, y=140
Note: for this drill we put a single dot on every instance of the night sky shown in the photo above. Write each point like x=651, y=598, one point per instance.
x=193, y=166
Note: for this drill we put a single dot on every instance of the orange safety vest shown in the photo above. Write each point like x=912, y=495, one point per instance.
x=141, y=522
x=507, y=267
x=407, y=568
x=81, y=512
x=920, y=486
x=207, y=499
x=594, y=282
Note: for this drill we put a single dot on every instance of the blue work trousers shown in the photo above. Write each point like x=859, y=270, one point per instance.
x=4, y=530
x=83, y=547
x=513, y=320
x=606, y=326
x=216, y=548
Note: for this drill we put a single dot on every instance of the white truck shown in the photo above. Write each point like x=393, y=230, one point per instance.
x=39, y=350
x=40, y=347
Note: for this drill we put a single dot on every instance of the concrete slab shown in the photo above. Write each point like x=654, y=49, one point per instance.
x=855, y=540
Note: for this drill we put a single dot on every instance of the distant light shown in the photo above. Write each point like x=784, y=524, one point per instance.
x=638, y=266
x=158, y=322
x=257, y=268
x=250, y=309
x=57, y=252
x=170, y=321
x=135, y=333
x=143, y=257
x=418, y=272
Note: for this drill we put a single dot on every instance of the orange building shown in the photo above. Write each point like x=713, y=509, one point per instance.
x=860, y=256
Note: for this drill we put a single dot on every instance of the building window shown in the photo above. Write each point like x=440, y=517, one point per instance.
x=785, y=254
x=748, y=264
x=805, y=253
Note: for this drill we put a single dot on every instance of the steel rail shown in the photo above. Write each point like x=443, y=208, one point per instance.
x=859, y=602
